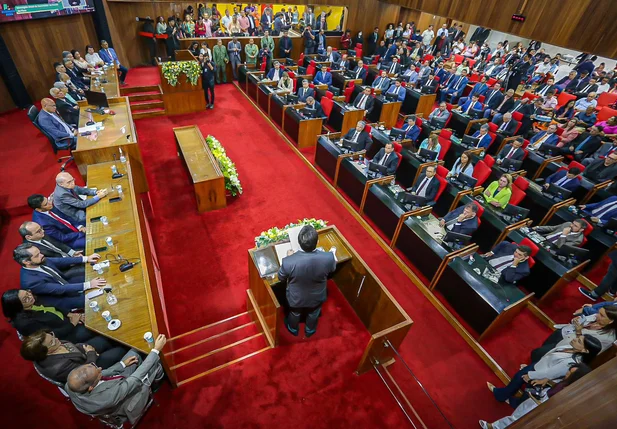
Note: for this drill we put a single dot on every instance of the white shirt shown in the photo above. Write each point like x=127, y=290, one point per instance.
x=603, y=88
x=423, y=186
x=363, y=101
x=40, y=270
x=93, y=59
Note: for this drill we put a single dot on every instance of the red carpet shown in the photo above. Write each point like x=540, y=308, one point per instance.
x=203, y=262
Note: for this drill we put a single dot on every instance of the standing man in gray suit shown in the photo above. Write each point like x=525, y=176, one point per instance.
x=122, y=390
x=233, y=49
x=306, y=273
x=66, y=197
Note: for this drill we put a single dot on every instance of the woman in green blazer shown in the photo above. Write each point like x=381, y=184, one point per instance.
x=499, y=192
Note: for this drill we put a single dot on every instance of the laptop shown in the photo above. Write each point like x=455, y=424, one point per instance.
x=434, y=123
x=309, y=113
x=427, y=155
x=510, y=164
x=391, y=96
x=558, y=191
x=470, y=141
x=378, y=168
x=397, y=133
x=551, y=150
x=414, y=200
x=467, y=181
x=515, y=213
x=292, y=99
x=573, y=252
x=476, y=114
x=457, y=238
x=611, y=225
x=352, y=146
x=427, y=89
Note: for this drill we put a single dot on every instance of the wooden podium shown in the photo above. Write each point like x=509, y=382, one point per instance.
x=184, y=97
x=380, y=313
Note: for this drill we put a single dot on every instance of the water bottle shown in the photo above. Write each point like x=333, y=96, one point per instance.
x=109, y=242
x=102, y=89
x=328, y=136
x=482, y=155
x=111, y=298
x=471, y=260
x=114, y=169
x=122, y=157
x=98, y=127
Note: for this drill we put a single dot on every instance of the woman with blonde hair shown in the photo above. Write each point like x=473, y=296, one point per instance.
x=432, y=144
x=499, y=192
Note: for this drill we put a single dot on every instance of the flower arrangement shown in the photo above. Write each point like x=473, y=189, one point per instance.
x=228, y=168
x=172, y=70
x=275, y=235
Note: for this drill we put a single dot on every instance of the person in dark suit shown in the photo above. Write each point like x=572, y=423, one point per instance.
x=585, y=144
x=602, y=169
x=427, y=185
x=359, y=72
x=365, y=100
x=359, y=135
x=510, y=259
x=463, y=220
x=208, y=77
x=608, y=283
x=108, y=55
x=568, y=233
x=306, y=273
x=43, y=276
x=55, y=224
x=412, y=131
x=53, y=124
x=372, y=40
x=507, y=125
x=68, y=111
x=342, y=63
x=543, y=89
x=548, y=137
x=305, y=91
x=602, y=211
x=276, y=72
x=429, y=82
x=507, y=101
x=470, y=104
x=567, y=179
x=493, y=98
x=382, y=82
x=586, y=88
x=32, y=232
x=387, y=157
x=330, y=55
x=394, y=68
x=323, y=77
x=311, y=103
x=66, y=197
x=602, y=152
x=480, y=88
x=512, y=151
x=74, y=73
x=285, y=45
x=455, y=88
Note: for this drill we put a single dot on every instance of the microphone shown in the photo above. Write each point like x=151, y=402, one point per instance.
x=114, y=169
x=127, y=266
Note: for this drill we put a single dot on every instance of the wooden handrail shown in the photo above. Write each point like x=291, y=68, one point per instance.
x=594, y=190
x=546, y=162
x=554, y=208
x=367, y=186
x=458, y=198
x=422, y=211
x=473, y=122
x=340, y=159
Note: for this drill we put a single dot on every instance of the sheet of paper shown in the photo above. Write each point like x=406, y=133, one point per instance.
x=293, y=237
x=281, y=251
x=91, y=127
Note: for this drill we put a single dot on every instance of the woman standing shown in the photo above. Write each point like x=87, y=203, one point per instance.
x=295, y=16
x=200, y=27
x=188, y=26
x=389, y=34
x=346, y=40
x=499, y=192
x=161, y=25
x=208, y=71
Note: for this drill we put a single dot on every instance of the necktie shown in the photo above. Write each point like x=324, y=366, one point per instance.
x=490, y=96
x=503, y=125
x=580, y=146
x=358, y=72
x=392, y=68
x=512, y=150
x=53, y=274
x=355, y=136
x=516, y=108
x=422, y=186
x=562, y=181
x=114, y=377
x=384, y=159
x=54, y=248
x=586, y=88
x=469, y=108
x=501, y=264
x=362, y=101
x=428, y=83
x=63, y=221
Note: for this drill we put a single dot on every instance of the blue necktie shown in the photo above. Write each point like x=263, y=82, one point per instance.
x=579, y=147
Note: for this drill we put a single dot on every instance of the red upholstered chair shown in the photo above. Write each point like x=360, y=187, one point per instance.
x=559, y=131
x=359, y=53
x=489, y=161
x=327, y=105
x=419, y=122
x=563, y=98
x=458, y=59
x=534, y=247
x=517, y=116
x=492, y=127
x=262, y=67
x=311, y=85
x=376, y=59
x=586, y=232
x=369, y=130
x=428, y=57
x=398, y=154
x=442, y=186
x=445, y=147
x=605, y=113
x=348, y=92
x=446, y=134
x=397, y=147
x=329, y=95
x=310, y=70
x=525, y=143
x=480, y=209
x=442, y=171
x=493, y=136
x=518, y=127
x=481, y=99
x=492, y=81
x=471, y=63
x=481, y=172
x=521, y=183
x=606, y=99
x=358, y=45
x=575, y=164
x=301, y=59
x=529, y=95
x=525, y=153
x=517, y=196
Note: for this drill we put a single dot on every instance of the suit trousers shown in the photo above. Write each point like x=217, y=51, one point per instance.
x=122, y=72
x=235, y=62
x=312, y=317
x=209, y=91
x=109, y=352
x=221, y=69
x=608, y=283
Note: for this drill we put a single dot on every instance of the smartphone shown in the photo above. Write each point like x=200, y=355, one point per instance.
x=100, y=249
x=94, y=293
x=115, y=199
x=95, y=219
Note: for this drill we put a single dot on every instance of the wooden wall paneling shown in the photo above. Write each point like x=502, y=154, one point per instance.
x=36, y=44
x=6, y=102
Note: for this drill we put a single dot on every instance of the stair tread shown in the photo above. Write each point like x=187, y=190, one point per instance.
x=154, y=109
x=134, y=94
x=140, y=102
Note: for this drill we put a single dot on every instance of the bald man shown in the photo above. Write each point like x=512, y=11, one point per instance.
x=52, y=123
x=121, y=390
x=67, y=200
x=67, y=110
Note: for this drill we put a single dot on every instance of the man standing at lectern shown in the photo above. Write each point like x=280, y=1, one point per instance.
x=306, y=273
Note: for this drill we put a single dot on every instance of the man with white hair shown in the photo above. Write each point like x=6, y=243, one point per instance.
x=70, y=96
x=67, y=110
x=358, y=135
x=53, y=124
x=67, y=200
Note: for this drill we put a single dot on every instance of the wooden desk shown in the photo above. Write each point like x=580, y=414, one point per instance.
x=203, y=168
x=389, y=113
x=112, y=87
x=418, y=103
x=102, y=146
x=140, y=305
x=303, y=132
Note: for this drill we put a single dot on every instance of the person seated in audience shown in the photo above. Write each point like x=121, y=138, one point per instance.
x=585, y=145
x=549, y=103
x=66, y=80
x=569, y=179
x=55, y=224
x=527, y=404
x=358, y=135
x=494, y=68
x=568, y=82
x=472, y=103
x=412, y=131
x=410, y=75
x=607, y=285
x=382, y=82
x=67, y=110
x=27, y=316
x=427, y=185
x=359, y=72
x=463, y=220
x=84, y=66
x=540, y=71
x=542, y=90
x=602, y=152
x=70, y=96
x=313, y=104
x=398, y=90
x=455, y=88
x=506, y=103
x=499, y=192
x=549, y=137
x=330, y=55
x=480, y=88
x=387, y=158
x=43, y=276
x=53, y=124
x=507, y=126
x=569, y=132
x=587, y=118
x=431, y=143
x=59, y=68
x=440, y=115
x=513, y=150
x=417, y=53
x=108, y=55
x=462, y=165
x=510, y=260
x=430, y=82
x=96, y=391
x=601, y=212
x=75, y=74
x=522, y=106
x=342, y=63
x=93, y=58
x=55, y=358
x=305, y=91
x=323, y=77
x=67, y=200
x=587, y=88
x=568, y=233
x=582, y=104
x=276, y=72
x=609, y=127
x=394, y=68
x=285, y=84
x=601, y=170
x=565, y=112
x=364, y=100
x=604, y=85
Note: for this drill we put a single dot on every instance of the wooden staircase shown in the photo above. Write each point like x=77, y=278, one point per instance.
x=145, y=101
x=213, y=347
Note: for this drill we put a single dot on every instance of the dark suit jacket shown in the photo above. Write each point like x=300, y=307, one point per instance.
x=592, y=145
x=58, y=366
x=412, y=132
x=307, y=276
x=320, y=113
x=368, y=106
x=59, y=231
x=68, y=113
x=570, y=185
x=397, y=68
x=363, y=138
x=467, y=227
x=302, y=95
x=510, y=274
x=392, y=162
x=53, y=128
x=362, y=74
x=28, y=322
x=510, y=128
x=48, y=251
x=517, y=155
x=542, y=87
x=583, y=85
x=284, y=43
x=597, y=172
x=606, y=216
x=495, y=100
x=506, y=106
x=431, y=189
x=47, y=288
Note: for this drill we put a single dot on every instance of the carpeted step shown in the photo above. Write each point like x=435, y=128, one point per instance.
x=139, y=106
x=207, y=331
x=143, y=96
x=149, y=113
x=128, y=90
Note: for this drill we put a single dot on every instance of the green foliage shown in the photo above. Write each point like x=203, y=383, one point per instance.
x=228, y=168
x=172, y=70
x=275, y=235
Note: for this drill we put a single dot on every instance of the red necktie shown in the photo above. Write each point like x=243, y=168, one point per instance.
x=63, y=222
x=115, y=377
